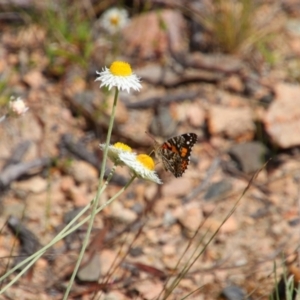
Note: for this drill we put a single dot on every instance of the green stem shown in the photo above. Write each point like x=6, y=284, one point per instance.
x=95, y=203
x=29, y=261
x=101, y=207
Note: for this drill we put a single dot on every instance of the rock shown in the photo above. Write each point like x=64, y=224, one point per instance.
x=70, y=215
x=282, y=120
x=234, y=293
x=258, y=91
x=224, y=63
x=150, y=191
x=149, y=35
x=73, y=192
x=136, y=251
x=169, y=219
x=34, y=79
x=152, y=73
x=294, y=222
x=90, y=271
x=149, y=289
x=137, y=208
x=29, y=243
x=78, y=196
x=229, y=226
x=234, y=83
x=34, y=185
x=162, y=207
x=248, y=156
x=196, y=115
x=114, y=295
x=109, y=258
x=119, y=212
x=291, y=7
x=217, y=190
x=162, y=123
x=293, y=26
x=66, y=183
x=83, y=172
x=168, y=250
x=83, y=100
x=177, y=187
x=16, y=210
x=190, y=216
x=234, y=122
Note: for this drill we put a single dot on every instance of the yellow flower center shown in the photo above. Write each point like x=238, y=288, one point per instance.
x=120, y=68
x=122, y=146
x=146, y=161
x=114, y=20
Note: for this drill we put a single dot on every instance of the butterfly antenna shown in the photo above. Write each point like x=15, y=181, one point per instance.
x=150, y=135
x=155, y=142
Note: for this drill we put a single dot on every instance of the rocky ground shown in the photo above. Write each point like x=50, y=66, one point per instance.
x=233, y=217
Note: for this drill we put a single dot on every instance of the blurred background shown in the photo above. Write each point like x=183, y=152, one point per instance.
x=227, y=70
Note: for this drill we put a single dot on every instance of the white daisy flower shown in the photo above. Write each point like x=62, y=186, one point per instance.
x=141, y=165
x=114, y=19
x=119, y=75
x=115, y=150
x=17, y=107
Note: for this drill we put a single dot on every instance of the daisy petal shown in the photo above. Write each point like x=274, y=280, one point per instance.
x=115, y=150
x=141, y=165
x=17, y=107
x=119, y=75
x=114, y=19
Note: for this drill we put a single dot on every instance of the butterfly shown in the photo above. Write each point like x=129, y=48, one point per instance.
x=175, y=152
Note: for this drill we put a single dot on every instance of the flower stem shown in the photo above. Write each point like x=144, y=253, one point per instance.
x=29, y=261
x=95, y=203
x=102, y=206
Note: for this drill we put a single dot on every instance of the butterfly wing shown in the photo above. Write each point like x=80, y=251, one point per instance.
x=175, y=153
